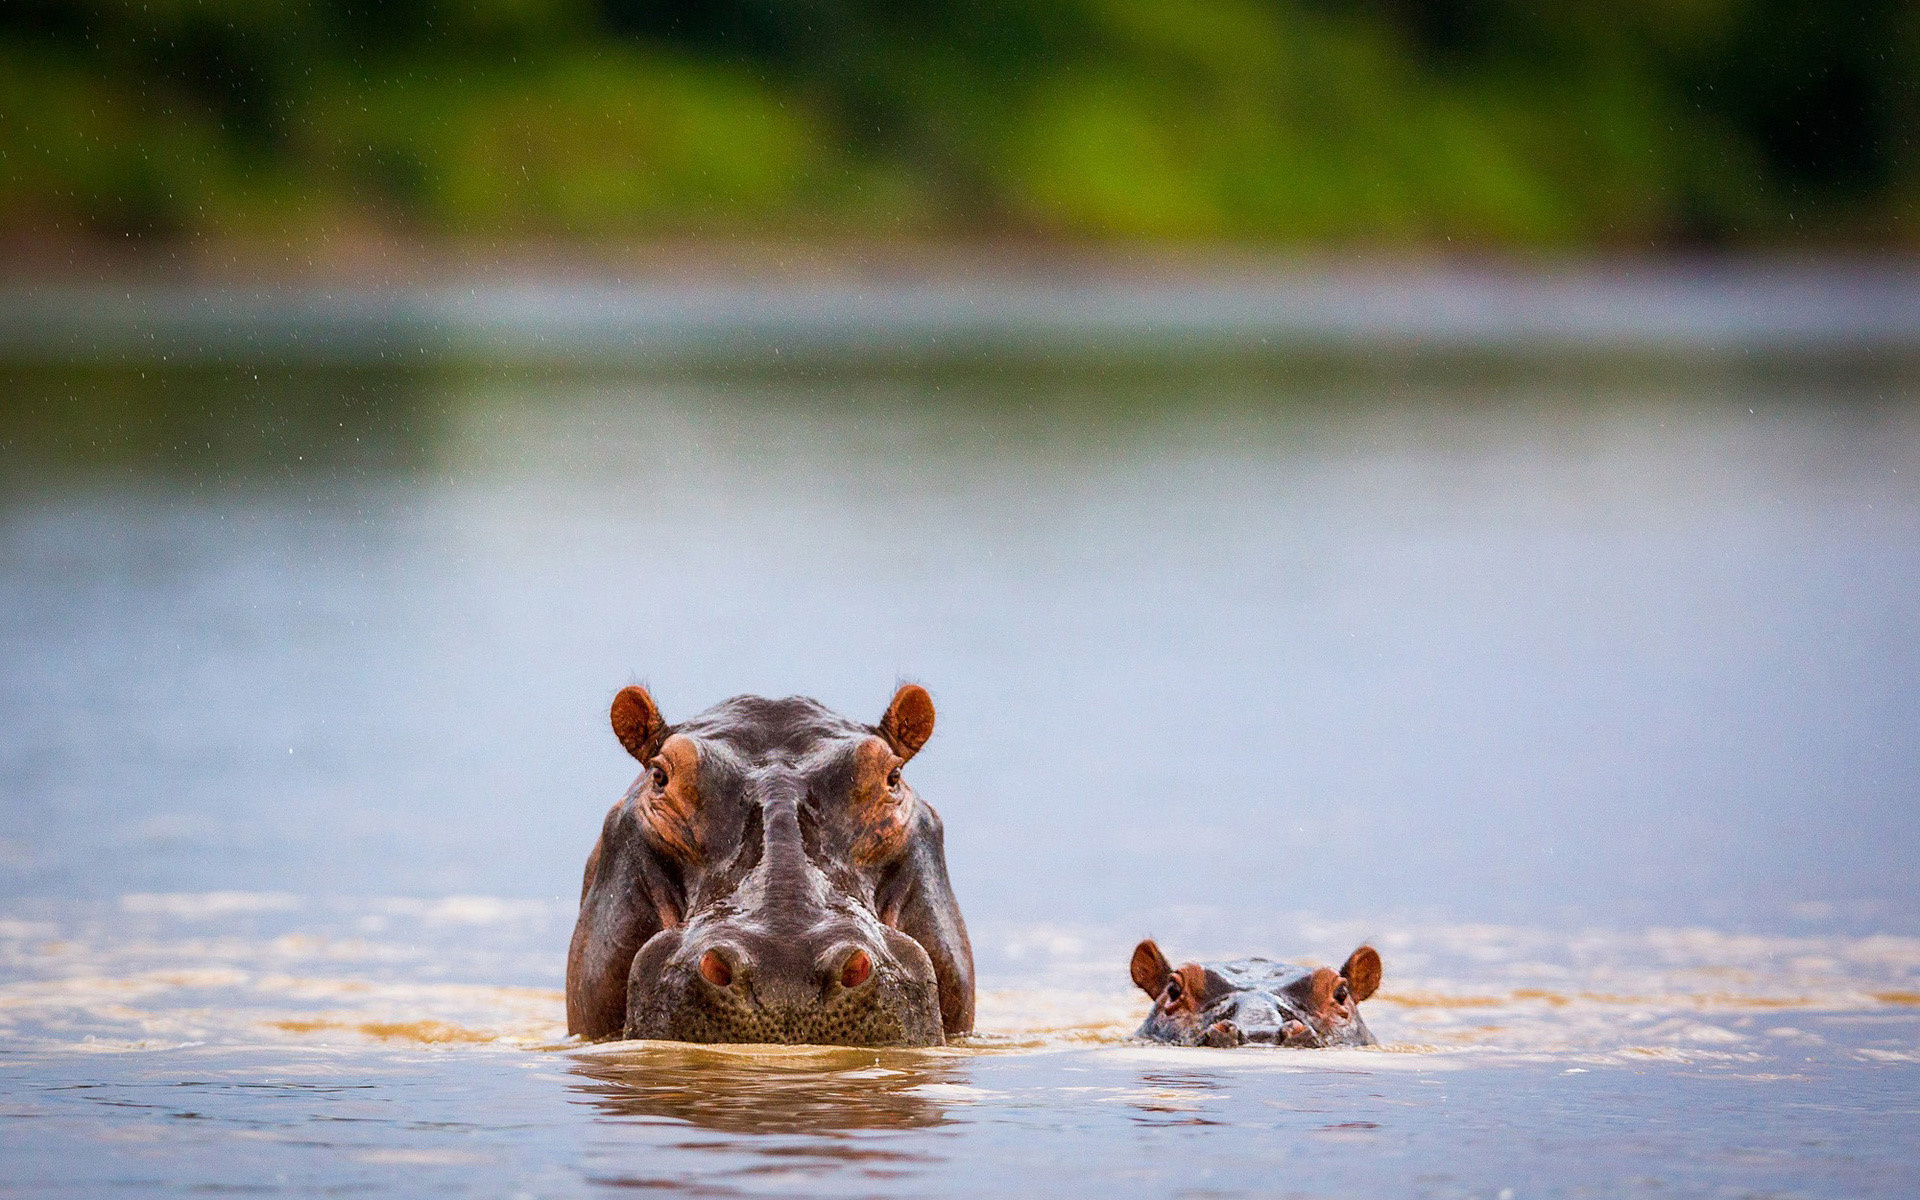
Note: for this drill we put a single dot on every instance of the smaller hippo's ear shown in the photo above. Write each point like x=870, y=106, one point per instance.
x=909, y=720
x=637, y=723
x=1149, y=968
x=1362, y=972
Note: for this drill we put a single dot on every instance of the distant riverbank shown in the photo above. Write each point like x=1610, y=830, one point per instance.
x=768, y=314
x=1745, y=124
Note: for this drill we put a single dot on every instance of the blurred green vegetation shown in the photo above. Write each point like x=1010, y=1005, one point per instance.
x=1553, y=123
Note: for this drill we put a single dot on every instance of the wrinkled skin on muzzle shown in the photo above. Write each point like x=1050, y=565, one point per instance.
x=771, y=877
x=1255, y=1001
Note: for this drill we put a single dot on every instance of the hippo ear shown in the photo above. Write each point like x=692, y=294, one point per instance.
x=1362, y=972
x=637, y=723
x=1149, y=968
x=909, y=720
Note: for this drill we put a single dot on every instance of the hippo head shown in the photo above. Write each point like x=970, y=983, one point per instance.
x=1255, y=1001
x=771, y=877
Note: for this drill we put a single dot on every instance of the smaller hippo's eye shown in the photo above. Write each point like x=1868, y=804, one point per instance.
x=1174, y=991
x=893, y=779
x=659, y=775
x=1340, y=994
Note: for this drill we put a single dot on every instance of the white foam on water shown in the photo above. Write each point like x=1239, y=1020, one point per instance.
x=306, y=1035
x=207, y=905
x=159, y=978
x=466, y=910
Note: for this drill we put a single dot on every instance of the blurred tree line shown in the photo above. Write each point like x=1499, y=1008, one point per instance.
x=1370, y=122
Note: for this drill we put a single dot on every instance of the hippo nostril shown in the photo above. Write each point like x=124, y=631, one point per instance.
x=1223, y=1035
x=715, y=969
x=1294, y=1032
x=856, y=969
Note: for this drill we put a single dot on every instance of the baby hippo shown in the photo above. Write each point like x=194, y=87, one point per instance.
x=1255, y=1000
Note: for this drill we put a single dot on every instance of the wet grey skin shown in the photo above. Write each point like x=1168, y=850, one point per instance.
x=1255, y=1001
x=771, y=877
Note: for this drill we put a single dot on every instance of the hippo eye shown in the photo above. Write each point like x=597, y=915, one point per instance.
x=659, y=774
x=1340, y=994
x=1174, y=991
x=893, y=779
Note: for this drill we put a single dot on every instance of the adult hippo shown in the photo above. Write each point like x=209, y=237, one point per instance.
x=771, y=877
x=1255, y=1001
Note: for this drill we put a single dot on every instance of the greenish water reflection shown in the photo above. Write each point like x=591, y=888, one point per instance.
x=779, y=1090
x=216, y=425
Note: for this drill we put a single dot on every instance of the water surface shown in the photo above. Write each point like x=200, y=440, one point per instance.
x=1590, y=701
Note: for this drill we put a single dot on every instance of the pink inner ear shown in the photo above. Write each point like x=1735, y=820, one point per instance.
x=636, y=721
x=1363, y=972
x=1149, y=968
x=909, y=720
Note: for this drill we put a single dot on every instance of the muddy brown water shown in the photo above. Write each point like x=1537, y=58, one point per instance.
x=1590, y=700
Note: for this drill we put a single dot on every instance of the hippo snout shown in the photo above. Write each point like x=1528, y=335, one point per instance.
x=727, y=985
x=841, y=972
x=1258, y=1023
